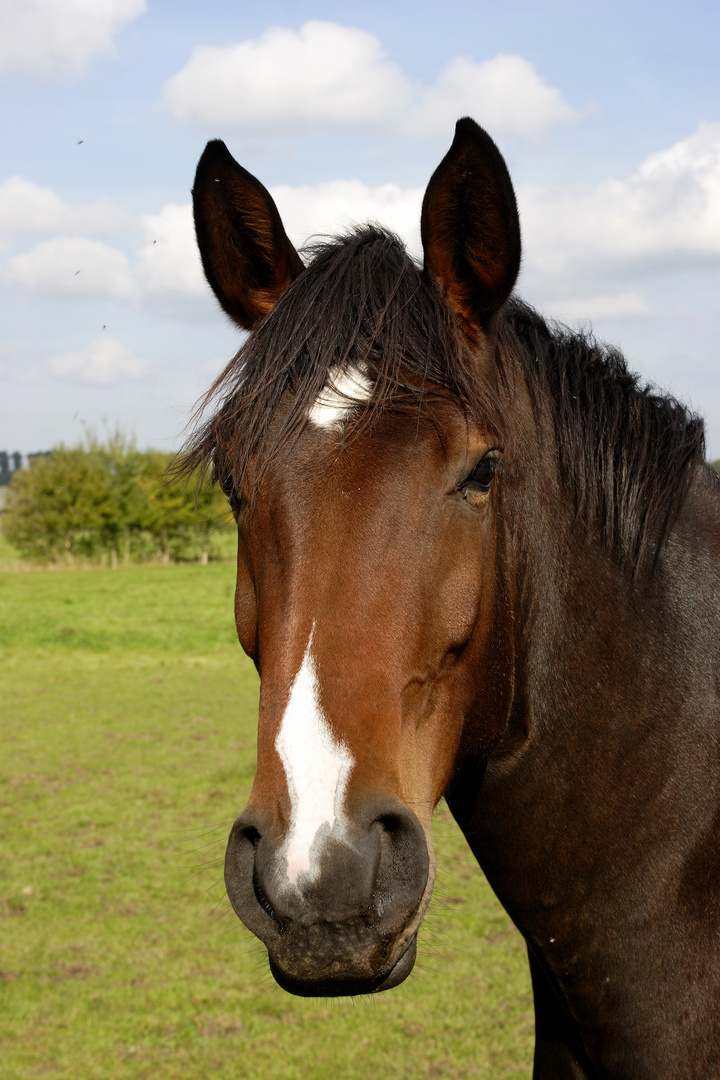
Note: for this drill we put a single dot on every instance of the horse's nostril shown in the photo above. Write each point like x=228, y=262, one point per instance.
x=251, y=833
x=403, y=866
x=244, y=882
x=262, y=899
x=391, y=823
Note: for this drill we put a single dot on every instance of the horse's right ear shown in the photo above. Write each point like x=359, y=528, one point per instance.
x=470, y=227
x=246, y=255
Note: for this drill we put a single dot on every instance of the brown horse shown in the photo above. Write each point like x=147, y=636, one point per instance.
x=476, y=559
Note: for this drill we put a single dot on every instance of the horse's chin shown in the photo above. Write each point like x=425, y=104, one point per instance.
x=337, y=986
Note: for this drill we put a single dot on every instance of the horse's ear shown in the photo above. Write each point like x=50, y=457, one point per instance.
x=470, y=227
x=246, y=255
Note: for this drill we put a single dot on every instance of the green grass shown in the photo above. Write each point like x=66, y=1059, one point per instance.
x=185, y=609
x=128, y=742
x=10, y=558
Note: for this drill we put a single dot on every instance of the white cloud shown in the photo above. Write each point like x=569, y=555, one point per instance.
x=168, y=258
x=325, y=75
x=502, y=94
x=26, y=208
x=321, y=75
x=104, y=361
x=665, y=216
x=44, y=38
x=73, y=266
x=331, y=207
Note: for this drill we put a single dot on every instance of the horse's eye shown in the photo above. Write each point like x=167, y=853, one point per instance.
x=228, y=490
x=481, y=478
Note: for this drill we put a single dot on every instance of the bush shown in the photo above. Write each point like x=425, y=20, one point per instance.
x=110, y=502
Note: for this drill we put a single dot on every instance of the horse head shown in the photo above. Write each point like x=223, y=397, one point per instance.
x=360, y=450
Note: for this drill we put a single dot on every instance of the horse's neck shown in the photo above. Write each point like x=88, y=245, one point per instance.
x=607, y=777
x=604, y=792
x=605, y=663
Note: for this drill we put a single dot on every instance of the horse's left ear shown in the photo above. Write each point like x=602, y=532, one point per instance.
x=246, y=254
x=470, y=227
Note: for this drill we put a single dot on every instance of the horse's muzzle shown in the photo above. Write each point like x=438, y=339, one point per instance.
x=351, y=928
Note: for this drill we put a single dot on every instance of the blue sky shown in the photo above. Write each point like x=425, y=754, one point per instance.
x=608, y=116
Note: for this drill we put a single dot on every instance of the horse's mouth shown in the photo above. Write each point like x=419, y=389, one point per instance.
x=340, y=987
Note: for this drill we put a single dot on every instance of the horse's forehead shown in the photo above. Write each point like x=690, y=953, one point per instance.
x=348, y=437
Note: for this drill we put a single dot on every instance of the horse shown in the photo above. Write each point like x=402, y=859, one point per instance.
x=478, y=558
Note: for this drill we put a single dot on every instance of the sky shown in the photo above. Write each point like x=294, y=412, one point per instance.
x=608, y=116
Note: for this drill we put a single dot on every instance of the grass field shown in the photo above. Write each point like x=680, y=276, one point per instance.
x=128, y=735
x=9, y=557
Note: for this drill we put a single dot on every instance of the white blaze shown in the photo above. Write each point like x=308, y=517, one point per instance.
x=342, y=391
x=317, y=768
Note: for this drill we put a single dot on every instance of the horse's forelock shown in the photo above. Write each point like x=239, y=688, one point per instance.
x=362, y=305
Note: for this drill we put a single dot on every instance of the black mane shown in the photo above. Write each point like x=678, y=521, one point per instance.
x=626, y=453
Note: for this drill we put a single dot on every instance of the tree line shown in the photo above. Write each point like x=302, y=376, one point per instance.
x=108, y=502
